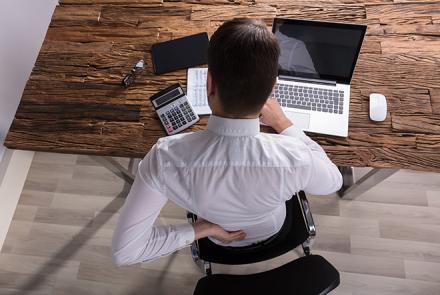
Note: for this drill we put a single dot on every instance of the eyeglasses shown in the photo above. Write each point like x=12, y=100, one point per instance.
x=131, y=76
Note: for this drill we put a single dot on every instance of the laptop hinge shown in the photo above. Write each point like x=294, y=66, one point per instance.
x=305, y=80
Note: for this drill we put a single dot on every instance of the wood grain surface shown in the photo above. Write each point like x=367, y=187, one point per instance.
x=73, y=102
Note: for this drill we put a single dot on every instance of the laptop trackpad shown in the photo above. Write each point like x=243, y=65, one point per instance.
x=300, y=120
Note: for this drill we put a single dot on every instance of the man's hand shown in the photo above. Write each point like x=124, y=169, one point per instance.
x=204, y=228
x=273, y=115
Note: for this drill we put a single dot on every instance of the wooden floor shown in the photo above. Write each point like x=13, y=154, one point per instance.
x=385, y=242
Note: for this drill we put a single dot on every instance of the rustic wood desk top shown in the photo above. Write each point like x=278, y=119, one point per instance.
x=73, y=102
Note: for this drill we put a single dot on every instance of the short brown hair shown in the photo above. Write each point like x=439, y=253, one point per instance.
x=243, y=59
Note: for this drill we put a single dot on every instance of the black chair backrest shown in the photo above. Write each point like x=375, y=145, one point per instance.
x=292, y=234
x=307, y=275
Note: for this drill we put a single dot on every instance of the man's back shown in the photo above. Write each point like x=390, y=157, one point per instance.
x=234, y=176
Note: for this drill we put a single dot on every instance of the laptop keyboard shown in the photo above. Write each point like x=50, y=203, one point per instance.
x=310, y=98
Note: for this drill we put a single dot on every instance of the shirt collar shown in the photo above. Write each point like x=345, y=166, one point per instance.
x=233, y=127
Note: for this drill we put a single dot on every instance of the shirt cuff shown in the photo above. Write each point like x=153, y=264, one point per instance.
x=186, y=233
x=294, y=131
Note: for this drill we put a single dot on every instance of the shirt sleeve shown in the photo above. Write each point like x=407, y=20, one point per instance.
x=135, y=238
x=322, y=177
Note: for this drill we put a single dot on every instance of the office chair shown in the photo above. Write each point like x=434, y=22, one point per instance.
x=310, y=274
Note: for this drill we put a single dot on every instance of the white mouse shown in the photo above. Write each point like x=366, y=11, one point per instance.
x=378, y=107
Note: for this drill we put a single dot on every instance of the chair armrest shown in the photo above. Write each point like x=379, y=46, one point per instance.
x=191, y=217
x=307, y=214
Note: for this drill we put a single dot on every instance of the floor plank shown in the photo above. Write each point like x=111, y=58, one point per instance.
x=422, y=270
x=363, y=284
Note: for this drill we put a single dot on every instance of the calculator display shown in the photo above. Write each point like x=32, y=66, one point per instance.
x=167, y=97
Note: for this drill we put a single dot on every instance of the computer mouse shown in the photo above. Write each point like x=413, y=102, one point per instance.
x=378, y=107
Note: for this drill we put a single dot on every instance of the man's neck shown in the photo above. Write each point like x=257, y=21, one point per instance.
x=229, y=116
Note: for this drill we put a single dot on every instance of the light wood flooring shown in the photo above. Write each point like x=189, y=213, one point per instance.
x=385, y=242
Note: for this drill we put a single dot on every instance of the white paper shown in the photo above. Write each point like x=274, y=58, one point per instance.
x=196, y=90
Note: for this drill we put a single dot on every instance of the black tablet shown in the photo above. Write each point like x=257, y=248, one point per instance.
x=180, y=53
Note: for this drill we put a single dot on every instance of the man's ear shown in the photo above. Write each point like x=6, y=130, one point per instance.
x=210, y=85
x=274, y=85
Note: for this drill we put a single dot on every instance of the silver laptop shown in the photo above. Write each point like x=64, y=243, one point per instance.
x=315, y=68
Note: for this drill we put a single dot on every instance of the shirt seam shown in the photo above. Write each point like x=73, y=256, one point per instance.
x=233, y=133
x=229, y=165
x=310, y=166
x=160, y=170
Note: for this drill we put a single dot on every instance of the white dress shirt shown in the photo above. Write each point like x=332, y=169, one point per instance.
x=229, y=174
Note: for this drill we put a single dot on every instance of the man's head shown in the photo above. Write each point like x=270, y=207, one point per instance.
x=243, y=65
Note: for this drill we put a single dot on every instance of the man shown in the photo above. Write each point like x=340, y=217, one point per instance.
x=233, y=177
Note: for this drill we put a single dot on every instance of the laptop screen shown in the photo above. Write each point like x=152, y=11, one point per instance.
x=318, y=50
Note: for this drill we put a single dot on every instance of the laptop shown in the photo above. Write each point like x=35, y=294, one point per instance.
x=315, y=68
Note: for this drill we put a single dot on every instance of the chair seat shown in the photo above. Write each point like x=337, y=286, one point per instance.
x=306, y=275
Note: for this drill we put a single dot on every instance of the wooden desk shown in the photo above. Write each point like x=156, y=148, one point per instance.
x=73, y=102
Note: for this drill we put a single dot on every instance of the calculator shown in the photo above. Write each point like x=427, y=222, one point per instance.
x=174, y=110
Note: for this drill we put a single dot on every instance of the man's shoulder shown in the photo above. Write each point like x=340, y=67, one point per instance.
x=291, y=150
x=279, y=139
x=180, y=141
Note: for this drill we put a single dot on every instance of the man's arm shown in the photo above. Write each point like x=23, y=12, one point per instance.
x=323, y=176
x=136, y=239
